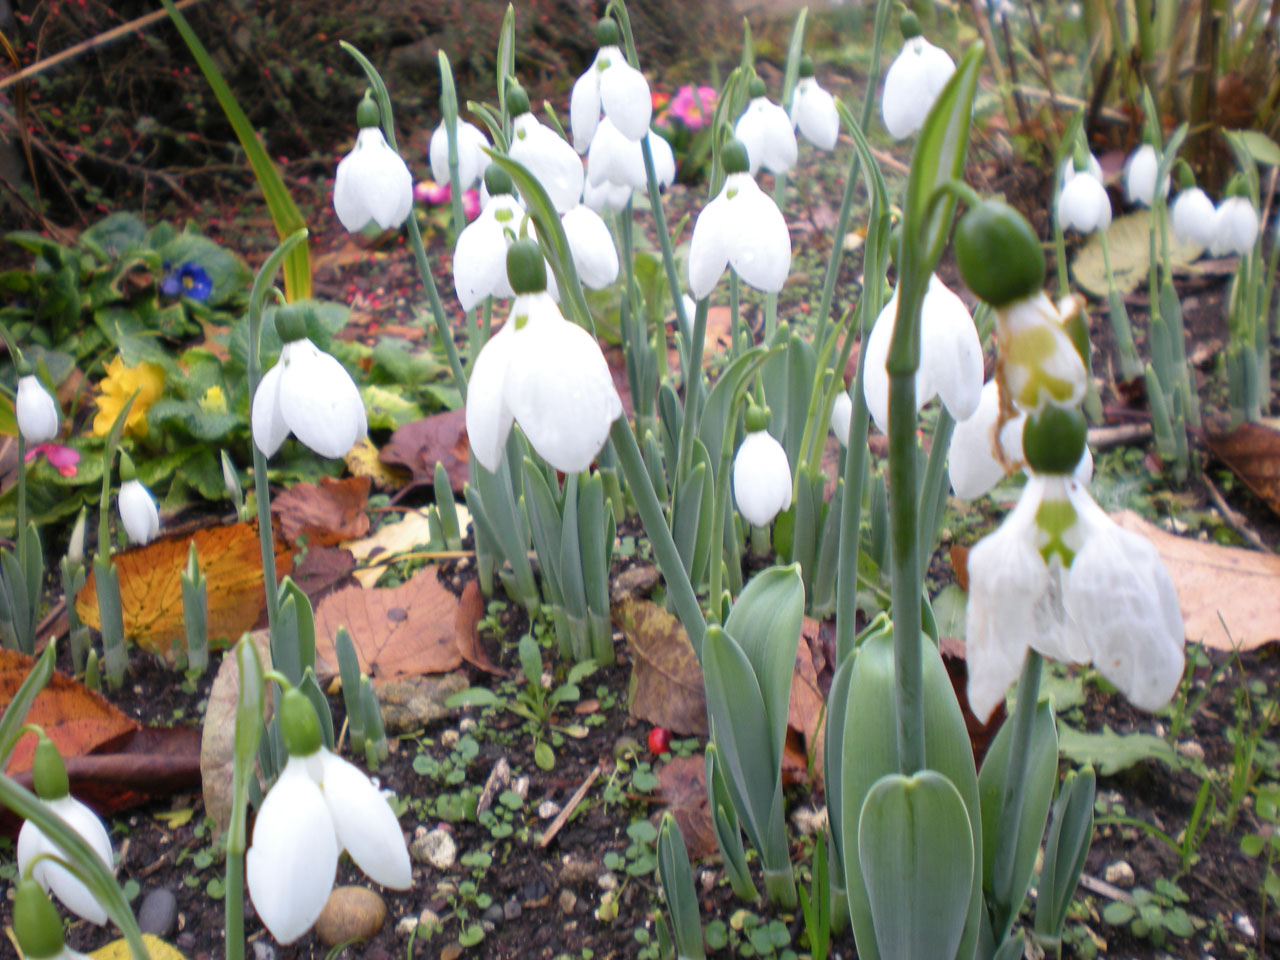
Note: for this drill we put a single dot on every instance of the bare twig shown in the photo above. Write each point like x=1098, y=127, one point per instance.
x=1234, y=519
x=1100, y=438
x=563, y=816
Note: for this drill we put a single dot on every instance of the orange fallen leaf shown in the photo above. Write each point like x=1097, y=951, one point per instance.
x=325, y=513
x=470, y=612
x=1252, y=451
x=398, y=632
x=151, y=585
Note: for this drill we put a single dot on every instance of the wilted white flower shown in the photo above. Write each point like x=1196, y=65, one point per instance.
x=1083, y=204
x=1060, y=577
x=1140, y=176
x=761, y=478
x=138, y=512
x=950, y=356
x=373, y=184
x=309, y=394
x=813, y=110
x=1039, y=362
x=767, y=132
x=591, y=245
x=471, y=156
x=555, y=164
x=1193, y=217
x=36, y=411
x=612, y=86
x=842, y=417
x=912, y=84
x=1235, y=228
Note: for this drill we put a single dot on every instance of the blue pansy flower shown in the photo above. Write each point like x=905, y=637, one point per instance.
x=189, y=280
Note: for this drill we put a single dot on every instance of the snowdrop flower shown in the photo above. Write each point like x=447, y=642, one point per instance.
x=1083, y=204
x=1193, y=218
x=613, y=86
x=37, y=926
x=1235, y=228
x=373, y=184
x=480, y=255
x=551, y=160
x=1060, y=577
x=615, y=161
x=813, y=110
x=36, y=411
x=741, y=228
x=761, y=473
x=913, y=81
x=606, y=196
x=307, y=393
x=767, y=132
x=49, y=777
x=950, y=357
x=591, y=245
x=319, y=806
x=842, y=417
x=1068, y=168
x=471, y=156
x=1039, y=364
x=138, y=510
x=543, y=372
x=1140, y=176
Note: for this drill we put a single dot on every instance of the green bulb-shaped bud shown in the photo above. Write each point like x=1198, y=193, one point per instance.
x=757, y=418
x=127, y=470
x=497, y=180
x=606, y=33
x=526, y=267
x=999, y=254
x=733, y=157
x=909, y=24
x=806, y=66
x=48, y=772
x=36, y=923
x=1183, y=175
x=1053, y=440
x=299, y=725
x=517, y=99
x=1237, y=186
x=755, y=87
x=291, y=322
x=367, y=113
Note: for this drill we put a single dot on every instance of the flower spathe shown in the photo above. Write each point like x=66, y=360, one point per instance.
x=55, y=879
x=373, y=184
x=138, y=512
x=761, y=478
x=950, y=356
x=309, y=394
x=744, y=229
x=913, y=82
x=1235, y=228
x=319, y=806
x=1192, y=215
x=1060, y=577
x=551, y=160
x=813, y=111
x=549, y=375
x=769, y=135
x=614, y=87
x=471, y=156
x=1083, y=204
x=35, y=410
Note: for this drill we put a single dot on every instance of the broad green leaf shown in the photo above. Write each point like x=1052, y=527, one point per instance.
x=117, y=233
x=1261, y=147
x=915, y=847
x=1110, y=752
x=1065, y=848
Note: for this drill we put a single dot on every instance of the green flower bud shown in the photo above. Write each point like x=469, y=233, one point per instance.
x=517, y=99
x=48, y=772
x=1053, y=440
x=998, y=254
x=526, y=267
x=127, y=470
x=291, y=322
x=733, y=157
x=36, y=923
x=806, y=66
x=755, y=87
x=606, y=33
x=1183, y=175
x=909, y=25
x=497, y=180
x=367, y=113
x=757, y=418
x=299, y=725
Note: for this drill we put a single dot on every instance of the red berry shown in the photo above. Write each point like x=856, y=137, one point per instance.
x=659, y=740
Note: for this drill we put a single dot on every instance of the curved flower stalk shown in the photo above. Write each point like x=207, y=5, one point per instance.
x=543, y=372
x=49, y=776
x=1140, y=176
x=813, y=110
x=913, y=81
x=307, y=393
x=761, y=473
x=36, y=411
x=1235, y=228
x=741, y=228
x=610, y=86
x=373, y=184
x=767, y=132
x=551, y=160
x=1193, y=217
x=320, y=806
x=471, y=156
x=950, y=357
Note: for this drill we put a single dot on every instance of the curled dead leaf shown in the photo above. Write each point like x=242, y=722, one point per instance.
x=324, y=513
x=666, y=680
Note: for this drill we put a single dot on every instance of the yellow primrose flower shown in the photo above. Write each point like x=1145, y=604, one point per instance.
x=213, y=400
x=115, y=389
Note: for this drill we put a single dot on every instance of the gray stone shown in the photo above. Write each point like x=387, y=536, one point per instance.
x=351, y=913
x=567, y=901
x=1119, y=874
x=158, y=913
x=494, y=914
x=262, y=950
x=607, y=881
x=511, y=910
x=548, y=809
x=436, y=847
x=410, y=703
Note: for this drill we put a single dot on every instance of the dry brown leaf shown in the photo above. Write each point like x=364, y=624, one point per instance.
x=324, y=513
x=1252, y=451
x=376, y=551
x=322, y=569
x=418, y=445
x=397, y=632
x=362, y=460
x=682, y=786
x=470, y=612
x=806, y=731
x=218, y=736
x=1228, y=595
x=666, y=680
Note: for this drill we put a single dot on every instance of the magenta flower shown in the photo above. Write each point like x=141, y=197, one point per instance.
x=694, y=111
x=428, y=191
x=62, y=458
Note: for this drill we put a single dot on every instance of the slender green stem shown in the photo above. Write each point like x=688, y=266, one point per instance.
x=933, y=491
x=1024, y=713
x=1129, y=362
x=233, y=918
x=664, y=238
x=20, y=531
x=692, y=386
x=655, y=524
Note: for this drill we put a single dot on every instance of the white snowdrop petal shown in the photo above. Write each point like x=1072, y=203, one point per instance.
x=710, y=245
x=842, y=417
x=269, y=427
x=664, y=159
x=377, y=183
x=438, y=154
x=1033, y=376
x=553, y=161
x=32, y=843
x=624, y=95
x=1140, y=176
x=488, y=417
x=584, y=107
x=348, y=199
x=36, y=411
x=319, y=400
x=813, y=111
x=615, y=159
x=912, y=83
x=291, y=864
x=951, y=351
x=1192, y=215
x=138, y=512
x=972, y=464
x=365, y=824
x=1083, y=205
x=480, y=256
x=875, y=378
x=1235, y=228
x=760, y=244
x=761, y=478
x=769, y=136
x=591, y=245
x=471, y=161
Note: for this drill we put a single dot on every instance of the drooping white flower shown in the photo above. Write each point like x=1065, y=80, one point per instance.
x=950, y=356
x=480, y=255
x=606, y=196
x=615, y=161
x=36, y=411
x=813, y=110
x=912, y=84
x=471, y=157
x=309, y=394
x=138, y=512
x=1038, y=361
x=1060, y=577
x=741, y=228
x=842, y=417
x=1083, y=204
x=591, y=245
x=1140, y=176
x=761, y=478
x=1235, y=228
x=33, y=843
x=1193, y=216
x=550, y=159
x=319, y=806
x=373, y=184
x=612, y=86
x=767, y=132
